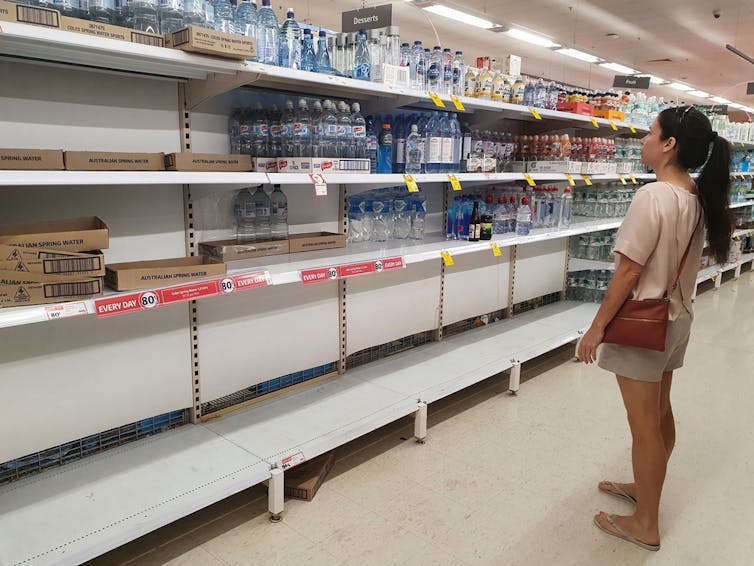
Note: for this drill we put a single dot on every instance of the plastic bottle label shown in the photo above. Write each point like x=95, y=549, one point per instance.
x=299, y=129
x=435, y=150
x=447, y=150
x=248, y=211
x=331, y=129
x=260, y=130
x=359, y=132
x=263, y=211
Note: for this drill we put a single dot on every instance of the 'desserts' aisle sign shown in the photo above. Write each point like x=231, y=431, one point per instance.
x=368, y=18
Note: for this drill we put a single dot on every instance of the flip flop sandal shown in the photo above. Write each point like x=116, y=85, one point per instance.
x=616, y=531
x=616, y=491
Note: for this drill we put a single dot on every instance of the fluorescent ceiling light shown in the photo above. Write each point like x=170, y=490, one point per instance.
x=619, y=68
x=699, y=93
x=736, y=105
x=576, y=54
x=747, y=109
x=679, y=86
x=531, y=38
x=720, y=100
x=655, y=80
x=460, y=16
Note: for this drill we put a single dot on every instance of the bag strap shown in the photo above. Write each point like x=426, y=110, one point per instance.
x=685, y=256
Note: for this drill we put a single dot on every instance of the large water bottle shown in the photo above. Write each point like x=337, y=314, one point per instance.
x=529, y=94
x=209, y=14
x=260, y=133
x=302, y=140
x=447, y=71
x=322, y=62
x=245, y=131
x=405, y=55
x=393, y=46
x=245, y=18
x=234, y=131
x=459, y=74
x=435, y=70
x=399, y=145
x=263, y=212
x=418, y=209
x=274, y=118
x=401, y=218
x=355, y=220
x=375, y=54
x=290, y=43
x=193, y=13
x=540, y=94
x=171, y=15
x=523, y=218
x=446, y=157
x=362, y=65
x=500, y=216
x=372, y=145
x=268, y=34
x=414, y=151
x=455, y=134
x=329, y=130
x=144, y=16
x=418, y=67
x=244, y=210
x=450, y=231
x=434, y=144
x=566, y=209
x=349, y=54
x=385, y=150
x=345, y=132
x=307, y=52
x=287, y=120
x=224, y=16
x=339, y=54
x=380, y=223
x=279, y=218
x=359, y=129
x=317, y=130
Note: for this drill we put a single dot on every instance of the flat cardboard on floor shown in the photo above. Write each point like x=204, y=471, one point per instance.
x=228, y=250
x=316, y=241
x=303, y=481
x=113, y=161
x=210, y=42
x=52, y=263
x=18, y=289
x=31, y=159
x=72, y=235
x=207, y=162
x=161, y=272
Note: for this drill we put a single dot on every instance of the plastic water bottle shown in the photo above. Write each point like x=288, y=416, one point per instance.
x=268, y=33
x=380, y=225
x=393, y=46
x=362, y=64
x=447, y=71
x=260, y=133
x=322, y=59
x=414, y=151
x=459, y=74
x=418, y=67
x=523, y=218
x=359, y=129
x=245, y=129
x=540, y=94
x=405, y=55
x=434, y=144
x=302, y=129
x=566, y=209
x=329, y=130
x=529, y=94
x=446, y=134
x=274, y=119
x=263, y=211
x=339, y=53
x=450, y=231
x=399, y=145
x=193, y=13
x=224, y=16
x=385, y=155
x=345, y=132
x=375, y=54
x=317, y=129
x=372, y=145
x=401, y=219
x=350, y=53
x=279, y=219
x=287, y=120
x=500, y=216
x=422, y=122
x=234, y=131
x=144, y=14
x=435, y=70
x=291, y=55
x=355, y=232
x=455, y=134
x=171, y=15
x=245, y=19
x=244, y=210
x=418, y=208
x=306, y=62
x=209, y=14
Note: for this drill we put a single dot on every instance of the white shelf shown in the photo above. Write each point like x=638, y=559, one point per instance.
x=741, y=204
x=578, y=264
x=742, y=232
x=707, y=273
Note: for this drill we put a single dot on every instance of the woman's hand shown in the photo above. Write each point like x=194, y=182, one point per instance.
x=588, y=346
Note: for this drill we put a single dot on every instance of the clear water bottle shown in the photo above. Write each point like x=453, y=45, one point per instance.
x=434, y=144
x=245, y=18
x=393, y=46
x=372, y=145
x=399, y=145
x=380, y=224
x=375, y=54
x=268, y=34
x=435, y=70
x=455, y=134
x=244, y=210
x=385, y=150
x=446, y=134
x=529, y=94
x=362, y=65
x=209, y=14
x=329, y=130
x=193, y=13
x=405, y=55
x=401, y=219
x=414, y=151
x=171, y=15
x=500, y=216
x=224, y=16
x=523, y=218
x=307, y=52
x=345, y=132
x=418, y=209
x=245, y=130
x=355, y=232
x=302, y=140
x=279, y=218
x=359, y=129
x=350, y=53
x=103, y=11
x=540, y=94
x=339, y=54
x=260, y=133
x=418, y=67
x=144, y=15
x=263, y=212
x=291, y=54
x=287, y=121
x=234, y=131
x=459, y=74
x=276, y=132
x=322, y=59
x=447, y=71
x=422, y=122
x=317, y=130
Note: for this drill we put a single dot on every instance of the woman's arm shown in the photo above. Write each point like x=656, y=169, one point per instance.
x=624, y=280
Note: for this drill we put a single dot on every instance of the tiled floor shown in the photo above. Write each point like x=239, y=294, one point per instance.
x=508, y=480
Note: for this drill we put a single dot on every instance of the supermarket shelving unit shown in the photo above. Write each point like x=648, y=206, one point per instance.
x=72, y=375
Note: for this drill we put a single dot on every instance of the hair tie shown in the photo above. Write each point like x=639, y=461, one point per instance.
x=712, y=136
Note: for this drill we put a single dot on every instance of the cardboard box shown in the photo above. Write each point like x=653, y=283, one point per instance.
x=294, y=164
x=580, y=108
x=513, y=65
x=113, y=161
x=303, y=481
x=229, y=250
x=207, y=162
x=161, y=272
x=97, y=29
x=570, y=167
x=34, y=15
x=31, y=159
x=73, y=235
x=325, y=165
x=33, y=289
x=353, y=165
x=264, y=164
x=316, y=241
x=51, y=262
x=609, y=114
x=210, y=42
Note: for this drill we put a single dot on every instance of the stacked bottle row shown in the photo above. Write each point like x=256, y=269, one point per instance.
x=741, y=161
x=628, y=153
x=260, y=217
x=597, y=246
x=732, y=131
x=739, y=189
x=386, y=214
x=589, y=286
x=603, y=201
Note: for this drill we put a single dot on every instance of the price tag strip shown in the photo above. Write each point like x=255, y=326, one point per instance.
x=535, y=113
x=349, y=270
x=594, y=123
x=411, y=184
x=530, y=180
x=436, y=99
x=320, y=185
x=457, y=103
x=587, y=180
x=571, y=181
x=496, y=249
x=66, y=310
x=447, y=258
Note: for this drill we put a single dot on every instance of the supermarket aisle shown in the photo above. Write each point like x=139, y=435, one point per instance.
x=509, y=481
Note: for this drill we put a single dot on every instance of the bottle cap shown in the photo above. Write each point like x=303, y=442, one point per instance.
x=385, y=126
x=307, y=32
x=322, y=33
x=501, y=200
x=438, y=48
x=290, y=12
x=524, y=200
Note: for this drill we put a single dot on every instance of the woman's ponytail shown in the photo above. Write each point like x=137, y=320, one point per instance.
x=714, y=191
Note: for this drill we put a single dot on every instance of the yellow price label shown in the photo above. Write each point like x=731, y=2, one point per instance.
x=447, y=258
x=436, y=99
x=633, y=130
x=587, y=180
x=454, y=182
x=530, y=180
x=613, y=126
x=594, y=123
x=496, y=249
x=457, y=103
x=411, y=184
x=535, y=113
x=634, y=181
x=623, y=180
x=742, y=144
x=571, y=180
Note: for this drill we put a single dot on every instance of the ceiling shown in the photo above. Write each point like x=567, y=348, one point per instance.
x=649, y=33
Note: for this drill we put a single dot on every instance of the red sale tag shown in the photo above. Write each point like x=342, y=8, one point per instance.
x=320, y=275
x=354, y=269
x=127, y=303
x=389, y=264
x=190, y=292
x=250, y=281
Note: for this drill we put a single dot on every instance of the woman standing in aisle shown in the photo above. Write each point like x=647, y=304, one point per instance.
x=663, y=226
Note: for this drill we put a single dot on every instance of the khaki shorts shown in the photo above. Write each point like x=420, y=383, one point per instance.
x=647, y=365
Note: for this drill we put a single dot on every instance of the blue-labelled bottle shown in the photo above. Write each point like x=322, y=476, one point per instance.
x=307, y=52
x=268, y=34
x=450, y=232
x=362, y=66
x=385, y=155
x=372, y=145
x=291, y=54
x=434, y=144
x=322, y=59
x=435, y=70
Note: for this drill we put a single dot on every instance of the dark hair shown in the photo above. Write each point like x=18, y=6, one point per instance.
x=693, y=135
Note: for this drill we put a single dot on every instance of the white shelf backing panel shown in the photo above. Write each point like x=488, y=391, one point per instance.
x=476, y=284
x=81, y=376
x=539, y=269
x=76, y=110
x=74, y=513
x=391, y=305
x=249, y=338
